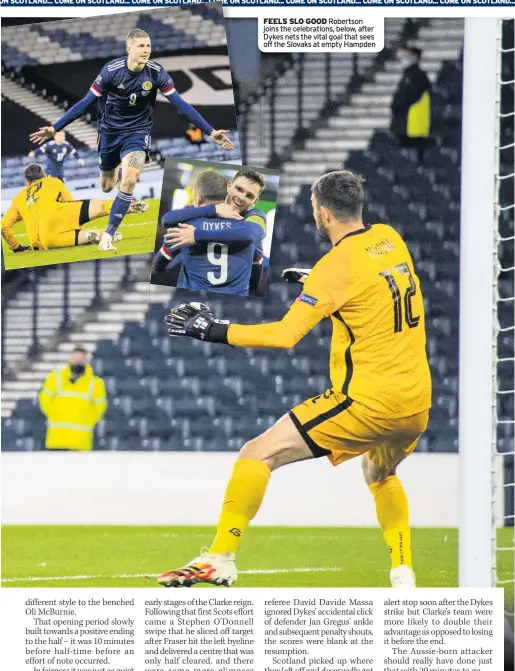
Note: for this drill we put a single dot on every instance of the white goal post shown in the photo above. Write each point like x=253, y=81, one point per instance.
x=479, y=167
x=487, y=302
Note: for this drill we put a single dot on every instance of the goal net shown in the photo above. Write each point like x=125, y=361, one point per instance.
x=486, y=548
x=503, y=321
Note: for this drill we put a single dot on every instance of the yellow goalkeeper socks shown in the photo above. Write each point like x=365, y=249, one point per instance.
x=393, y=517
x=108, y=204
x=242, y=500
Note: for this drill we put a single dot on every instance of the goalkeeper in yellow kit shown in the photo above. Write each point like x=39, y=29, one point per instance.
x=378, y=404
x=51, y=216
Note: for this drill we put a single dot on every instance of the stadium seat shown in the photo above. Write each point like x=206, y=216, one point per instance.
x=172, y=28
x=197, y=396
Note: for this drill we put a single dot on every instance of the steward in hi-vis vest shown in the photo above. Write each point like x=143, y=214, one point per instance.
x=73, y=399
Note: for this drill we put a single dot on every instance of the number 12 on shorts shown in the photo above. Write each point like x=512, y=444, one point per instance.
x=217, y=255
x=411, y=321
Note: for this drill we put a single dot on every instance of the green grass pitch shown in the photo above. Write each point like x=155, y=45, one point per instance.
x=126, y=556
x=111, y=556
x=138, y=230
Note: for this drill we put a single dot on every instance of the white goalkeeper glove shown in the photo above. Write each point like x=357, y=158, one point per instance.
x=298, y=275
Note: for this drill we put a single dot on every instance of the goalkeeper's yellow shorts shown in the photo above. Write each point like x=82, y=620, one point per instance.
x=59, y=227
x=335, y=426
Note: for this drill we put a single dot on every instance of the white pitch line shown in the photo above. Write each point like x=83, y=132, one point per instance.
x=258, y=571
x=141, y=223
x=281, y=537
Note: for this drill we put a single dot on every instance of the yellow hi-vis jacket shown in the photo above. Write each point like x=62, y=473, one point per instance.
x=419, y=117
x=72, y=408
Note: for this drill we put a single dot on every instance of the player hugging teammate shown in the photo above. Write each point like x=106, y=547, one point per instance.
x=218, y=241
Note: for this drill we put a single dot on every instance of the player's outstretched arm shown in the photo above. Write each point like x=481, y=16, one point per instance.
x=195, y=320
x=184, y=108
x=188, y=111
x=185, y=235
x=325, y=292
x=221, y=137
x=47, y=132
x=42, y=135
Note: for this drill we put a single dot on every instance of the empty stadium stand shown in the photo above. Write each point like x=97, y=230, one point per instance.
x=331, y=138
x=172, y=29
x=160, y=394
x=279, y=115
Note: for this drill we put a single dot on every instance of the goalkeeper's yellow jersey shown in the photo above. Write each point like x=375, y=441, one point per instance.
x=368, y=286
x=32, y=205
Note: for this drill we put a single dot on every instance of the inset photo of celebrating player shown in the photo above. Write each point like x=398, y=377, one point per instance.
x=216, y=226
x=97, y=80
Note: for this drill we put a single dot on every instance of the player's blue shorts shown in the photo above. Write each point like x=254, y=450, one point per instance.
x=112, y=148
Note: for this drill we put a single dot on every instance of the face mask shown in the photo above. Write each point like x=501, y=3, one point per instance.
x=78, y=369
x=405, y=62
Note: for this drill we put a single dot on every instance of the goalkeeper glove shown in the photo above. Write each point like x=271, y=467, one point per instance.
x=299, y=275
x=195, y=320
x=21, y=248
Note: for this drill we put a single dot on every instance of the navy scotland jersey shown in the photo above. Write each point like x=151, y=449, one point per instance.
x=127, y=98
x=56, y=155
x=222, y=261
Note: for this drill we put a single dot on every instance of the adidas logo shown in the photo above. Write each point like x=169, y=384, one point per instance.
x=120, y=86
x=120, y=216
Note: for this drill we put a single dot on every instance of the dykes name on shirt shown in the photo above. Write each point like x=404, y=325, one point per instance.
x=215, y=225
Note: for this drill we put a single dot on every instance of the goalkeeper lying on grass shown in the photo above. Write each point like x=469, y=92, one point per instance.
x=52, y=217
